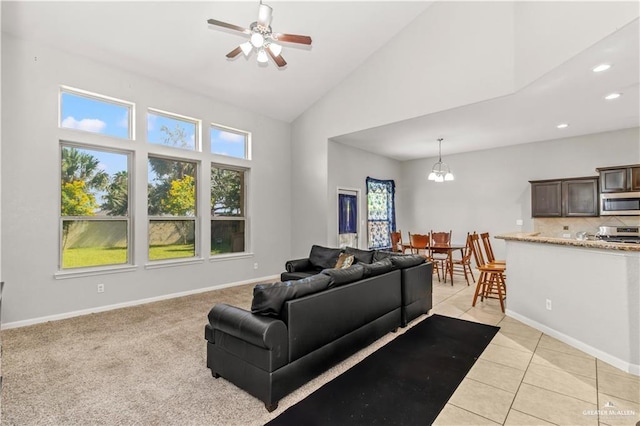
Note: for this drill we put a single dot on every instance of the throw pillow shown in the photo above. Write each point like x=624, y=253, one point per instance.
x=344, y=261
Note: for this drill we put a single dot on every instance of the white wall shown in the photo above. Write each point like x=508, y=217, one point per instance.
x=491, y=190
x=31, y=76
x=349, y=168
x=453, y=54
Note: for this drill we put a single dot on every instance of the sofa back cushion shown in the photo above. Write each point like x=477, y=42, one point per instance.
x=268, y=299
x=344, y=276
x=362, y=256
x=323, y=257
x=407, y=260
x=377, y=268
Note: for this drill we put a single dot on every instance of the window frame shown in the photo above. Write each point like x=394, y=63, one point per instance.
x=247, y=141
x=101, y=98
x=129, y=218
x=244, y=208
x=196, y=122
x=195, y=218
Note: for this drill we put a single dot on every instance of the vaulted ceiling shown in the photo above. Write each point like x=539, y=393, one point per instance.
x=172, y=42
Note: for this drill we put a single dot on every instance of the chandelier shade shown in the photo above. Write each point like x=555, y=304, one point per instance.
x=440, y=172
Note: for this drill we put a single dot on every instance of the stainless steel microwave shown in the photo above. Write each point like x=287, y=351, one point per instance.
x=620, y=204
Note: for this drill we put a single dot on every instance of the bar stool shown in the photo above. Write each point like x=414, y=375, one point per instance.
x=491, y=283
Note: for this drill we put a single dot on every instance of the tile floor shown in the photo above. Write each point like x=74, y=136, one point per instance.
x=525, y=377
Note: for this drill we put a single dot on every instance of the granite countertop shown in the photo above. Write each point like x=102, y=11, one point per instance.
x=535, y=237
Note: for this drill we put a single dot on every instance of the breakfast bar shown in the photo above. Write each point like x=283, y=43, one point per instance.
x=585, y=293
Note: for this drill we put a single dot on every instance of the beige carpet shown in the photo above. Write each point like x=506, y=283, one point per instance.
x=142, y=365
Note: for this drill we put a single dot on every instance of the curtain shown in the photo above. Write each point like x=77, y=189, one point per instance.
x=348, y=211
x=381, y=212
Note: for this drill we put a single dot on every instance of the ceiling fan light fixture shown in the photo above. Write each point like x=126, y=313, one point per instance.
x=257, y=40
x=449, y=176
x=246, y=47
x=276, y=49
x=262, y=56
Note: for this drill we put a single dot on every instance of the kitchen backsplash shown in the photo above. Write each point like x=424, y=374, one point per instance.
x=555, y=226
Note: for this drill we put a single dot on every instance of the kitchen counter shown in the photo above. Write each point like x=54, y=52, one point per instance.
x=583, y=293
x=535, y=237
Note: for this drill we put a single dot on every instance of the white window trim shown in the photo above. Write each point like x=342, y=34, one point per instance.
x=98, y=97
x=247, y=144
x=198, y=133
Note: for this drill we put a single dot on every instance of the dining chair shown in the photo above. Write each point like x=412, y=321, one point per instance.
x=462, y=266
x=418, y=242
x=396, y=242
x=491, y=283
x=440, y=256
x=486, y=242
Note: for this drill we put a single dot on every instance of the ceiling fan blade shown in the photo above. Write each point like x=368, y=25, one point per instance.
x=279, y=60
x=292, y=38
x=229, y=26
x=235, y=52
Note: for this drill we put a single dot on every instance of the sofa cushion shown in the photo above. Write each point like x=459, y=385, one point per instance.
x=340, y=277
x=362, y=256
x=294, y=276
x=382, y=254
x=407, y=260
x=268, y=299
x=323, y=257
x=377, y=268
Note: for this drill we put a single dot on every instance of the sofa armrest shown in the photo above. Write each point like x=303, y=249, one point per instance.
x=261, y=331
x=299, y=265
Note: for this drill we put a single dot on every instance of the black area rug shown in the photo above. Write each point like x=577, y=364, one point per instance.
x=406, y=382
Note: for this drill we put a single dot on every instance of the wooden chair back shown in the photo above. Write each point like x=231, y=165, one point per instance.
x=477, y=252
x=396, y=241
x=418, y=242
x=466, y=252
x=486, y=242
x=441, y=237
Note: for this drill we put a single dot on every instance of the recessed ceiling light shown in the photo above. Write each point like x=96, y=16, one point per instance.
x=601, y=67
x=613, y=96
x=562, y=126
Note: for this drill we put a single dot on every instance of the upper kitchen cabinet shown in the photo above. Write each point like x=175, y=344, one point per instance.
x=620, y=178
x=575, y=197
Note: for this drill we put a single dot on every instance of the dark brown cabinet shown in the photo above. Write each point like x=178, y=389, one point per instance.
x=620, y=178
x=575, y=197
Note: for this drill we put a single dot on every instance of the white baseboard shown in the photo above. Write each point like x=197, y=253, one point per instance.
x=603, y=356
x=97, y=309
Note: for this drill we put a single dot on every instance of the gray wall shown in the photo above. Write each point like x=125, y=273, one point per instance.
x=349, y=168
x=31, y=76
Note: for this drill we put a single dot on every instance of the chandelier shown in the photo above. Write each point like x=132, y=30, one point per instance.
x=440, y=171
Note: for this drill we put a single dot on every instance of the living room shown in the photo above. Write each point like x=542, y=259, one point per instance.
x=484, y=50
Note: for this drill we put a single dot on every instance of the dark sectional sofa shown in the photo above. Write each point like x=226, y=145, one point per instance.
x=299, y=328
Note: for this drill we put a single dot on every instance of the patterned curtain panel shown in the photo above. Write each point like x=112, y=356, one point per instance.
x=381, y=212
x=348, y=223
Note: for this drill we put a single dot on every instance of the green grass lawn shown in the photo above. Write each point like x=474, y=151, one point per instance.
x=96, y=256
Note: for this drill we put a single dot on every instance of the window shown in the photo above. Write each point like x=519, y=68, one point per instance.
x=172, y=130
x=380, y=212
x=94, y=207
x=229, y=142
x=227, y=210
x=172, y=208
x=96, y=114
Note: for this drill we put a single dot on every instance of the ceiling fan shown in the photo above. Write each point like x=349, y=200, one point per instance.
x=262, y=39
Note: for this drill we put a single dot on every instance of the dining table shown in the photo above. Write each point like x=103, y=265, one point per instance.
x=440, y=248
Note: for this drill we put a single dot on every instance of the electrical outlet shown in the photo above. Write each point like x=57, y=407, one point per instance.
x=566, y=235
x=519, y=222
x=565, y=228
x=100, y=288
x=255, y=265
x=548, y=304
